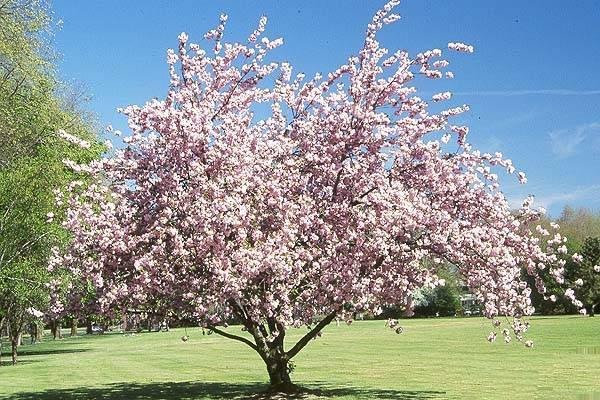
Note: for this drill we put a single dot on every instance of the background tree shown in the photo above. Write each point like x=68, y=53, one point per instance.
x=443, y=300
x=576, y=224
x=32, y=111
x=282, y=202
x=583, y=272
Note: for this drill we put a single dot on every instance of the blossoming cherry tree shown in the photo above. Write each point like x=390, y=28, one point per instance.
x=254, y=194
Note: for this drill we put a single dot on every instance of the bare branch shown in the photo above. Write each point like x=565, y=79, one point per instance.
x=234, y=337
x=310, y=335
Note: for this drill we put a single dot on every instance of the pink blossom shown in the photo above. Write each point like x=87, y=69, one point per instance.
x=442, y=96
x=460, y=47
x=522, y=178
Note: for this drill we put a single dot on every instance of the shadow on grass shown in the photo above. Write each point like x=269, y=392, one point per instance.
x=31, y=351
x=217, y=391
x=5, y=363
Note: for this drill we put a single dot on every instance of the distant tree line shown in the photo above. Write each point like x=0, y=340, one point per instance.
x=34, y=106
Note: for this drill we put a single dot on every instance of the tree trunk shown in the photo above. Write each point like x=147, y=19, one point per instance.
x=2, y=326
x=14, y=345
x=53, y=328
x=74, y=327
x=279, y=374
x=270, y=346
x=88, y=327
x=39, y=331
x=125, y=325
x=20, y=339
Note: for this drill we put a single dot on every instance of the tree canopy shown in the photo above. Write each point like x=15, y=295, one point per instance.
x=256, y=194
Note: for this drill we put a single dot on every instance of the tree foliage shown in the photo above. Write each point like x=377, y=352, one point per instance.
x=32, y=111
x=583, y=272
x=443, y=300
x=578, y=225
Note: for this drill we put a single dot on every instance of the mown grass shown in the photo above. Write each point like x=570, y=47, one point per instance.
x=433, y=359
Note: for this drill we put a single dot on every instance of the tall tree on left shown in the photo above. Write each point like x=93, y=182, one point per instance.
x=33, y=110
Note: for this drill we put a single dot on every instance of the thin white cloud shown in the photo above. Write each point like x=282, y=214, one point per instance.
x=539, y=92
x=494, y=143
x=564, y=142
x=561, y=197
x=579, y=194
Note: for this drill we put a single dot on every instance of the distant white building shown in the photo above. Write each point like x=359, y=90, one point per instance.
x=469, y=303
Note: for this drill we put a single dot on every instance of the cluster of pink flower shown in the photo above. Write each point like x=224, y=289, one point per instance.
x=462, y=47
x=517, y=328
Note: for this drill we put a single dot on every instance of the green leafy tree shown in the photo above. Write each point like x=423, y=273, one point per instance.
x=576, y=224
x=584, y=275
x=442, y=300
x=33, y=108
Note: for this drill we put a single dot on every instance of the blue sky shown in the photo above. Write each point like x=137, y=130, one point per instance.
x=533, y=83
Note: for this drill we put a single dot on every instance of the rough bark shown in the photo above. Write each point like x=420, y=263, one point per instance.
x=279, y=373
x=88, y=327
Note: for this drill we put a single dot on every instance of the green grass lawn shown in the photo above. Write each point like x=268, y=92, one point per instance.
x=433, y=359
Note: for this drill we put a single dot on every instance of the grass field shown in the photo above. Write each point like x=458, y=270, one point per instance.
x=432, y=359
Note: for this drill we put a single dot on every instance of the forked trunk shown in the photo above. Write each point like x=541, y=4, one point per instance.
x=269, y=344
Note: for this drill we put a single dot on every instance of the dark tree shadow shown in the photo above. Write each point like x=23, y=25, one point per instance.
x=8, y=363
x=30, y=351
x=217, y=391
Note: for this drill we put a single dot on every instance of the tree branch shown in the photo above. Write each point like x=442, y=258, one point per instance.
x=310, y=335
x=234, y=337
